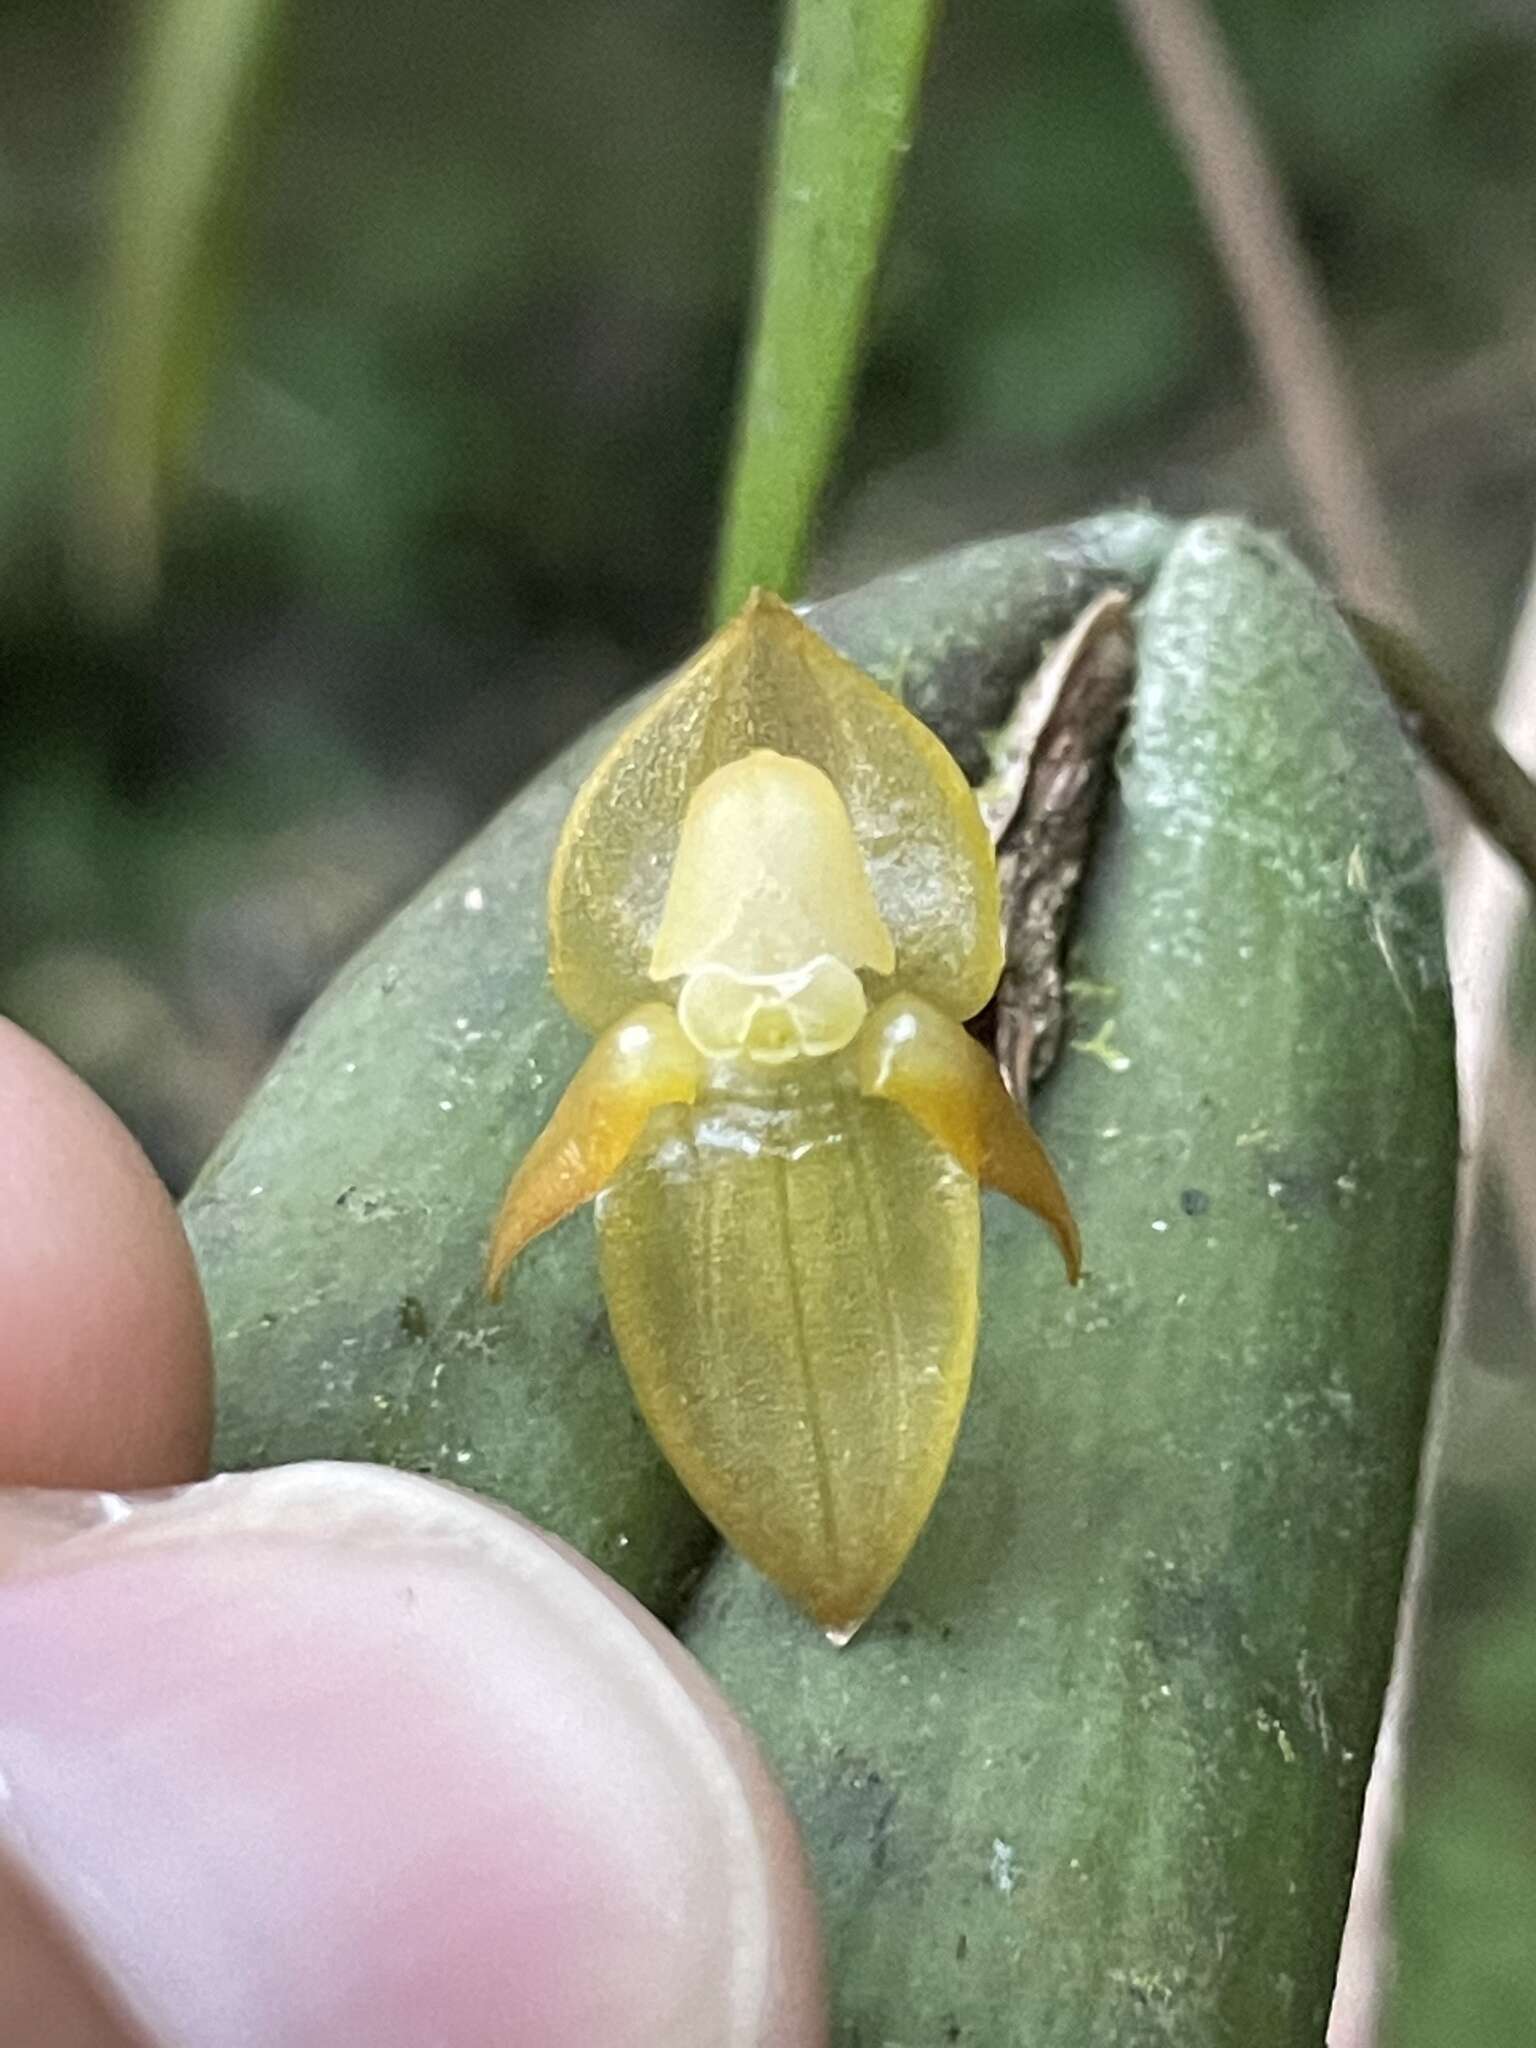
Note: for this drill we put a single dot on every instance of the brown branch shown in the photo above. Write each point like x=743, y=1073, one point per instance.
x=1277, y=297
x=1466, y=750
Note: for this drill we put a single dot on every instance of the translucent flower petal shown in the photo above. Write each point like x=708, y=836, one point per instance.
x=767, y=680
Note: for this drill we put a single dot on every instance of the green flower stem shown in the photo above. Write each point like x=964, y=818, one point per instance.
x=848, y=86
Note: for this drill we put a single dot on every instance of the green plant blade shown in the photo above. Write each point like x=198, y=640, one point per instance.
x=199, y=70
x=1093, y=1773
x=848, y=87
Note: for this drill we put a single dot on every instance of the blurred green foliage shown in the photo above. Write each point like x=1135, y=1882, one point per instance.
x=171, y=259
x=462, y=465
x=1464, y=1871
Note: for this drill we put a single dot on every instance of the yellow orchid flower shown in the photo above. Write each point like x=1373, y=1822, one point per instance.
x=776, y=901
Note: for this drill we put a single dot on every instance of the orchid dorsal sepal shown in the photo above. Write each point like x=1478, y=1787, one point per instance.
x=638, y=1065
x=767, y=689
x=911, y=1054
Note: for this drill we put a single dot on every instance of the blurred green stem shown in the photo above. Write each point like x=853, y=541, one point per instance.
x=198, y=72
x=848, y=84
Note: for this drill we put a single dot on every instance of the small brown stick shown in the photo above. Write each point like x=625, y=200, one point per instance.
x=1277, y=297
x=1276, y=294
x=1041, y=806
x=1466, y=750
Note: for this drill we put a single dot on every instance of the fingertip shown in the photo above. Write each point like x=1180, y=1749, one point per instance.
x=105, y=1364
x=795, y=1995
x=495, y=1801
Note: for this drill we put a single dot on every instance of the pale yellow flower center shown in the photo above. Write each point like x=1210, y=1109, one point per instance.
x=769, y=915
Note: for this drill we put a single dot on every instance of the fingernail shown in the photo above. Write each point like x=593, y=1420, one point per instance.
x=337, y=1754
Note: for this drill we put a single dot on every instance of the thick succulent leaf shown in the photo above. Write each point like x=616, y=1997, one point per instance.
x=768, y=680
x=1093, y=1773
x=1019, y=595
x=1094, y=1770
x=792, y=1284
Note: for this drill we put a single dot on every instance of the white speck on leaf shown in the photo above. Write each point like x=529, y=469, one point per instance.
x=1102, y=1047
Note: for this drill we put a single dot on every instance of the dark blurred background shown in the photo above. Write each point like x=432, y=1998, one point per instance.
x=465, y=449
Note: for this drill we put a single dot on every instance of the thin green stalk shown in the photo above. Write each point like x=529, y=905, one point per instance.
x=198, y=72
x=848, y=86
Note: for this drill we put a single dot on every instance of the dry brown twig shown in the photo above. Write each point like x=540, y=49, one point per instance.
x=1308, y=391
x=1277, y=297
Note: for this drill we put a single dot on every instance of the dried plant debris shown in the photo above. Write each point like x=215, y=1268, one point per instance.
x=1051, y=766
